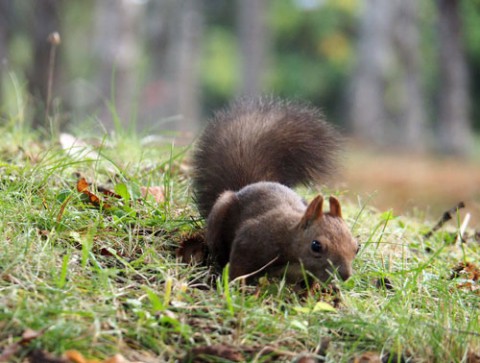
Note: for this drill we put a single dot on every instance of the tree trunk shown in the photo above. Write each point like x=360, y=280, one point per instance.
x=253, y=44
x=454, y=123
x=412, y=115
x=388, y=104
x=368, y=113
x=188, y=66
x=116, y=46
x=175, y=30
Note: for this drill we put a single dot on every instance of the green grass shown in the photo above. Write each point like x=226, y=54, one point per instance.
x=106, y=280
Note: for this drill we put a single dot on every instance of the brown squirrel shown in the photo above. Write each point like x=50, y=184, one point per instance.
x=244, y=164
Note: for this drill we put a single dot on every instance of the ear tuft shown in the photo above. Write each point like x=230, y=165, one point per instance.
x=314, y=211
x=335, y=208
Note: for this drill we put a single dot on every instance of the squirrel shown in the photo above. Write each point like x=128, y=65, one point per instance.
x=245, y=163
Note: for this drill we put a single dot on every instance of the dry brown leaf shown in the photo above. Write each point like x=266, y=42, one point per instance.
x=158, y=193
x=203, y=353
x=368, y=357
x=12, y=349
x=108, y=192
x=375, y=357
x=83, y=187
x=470, y=286
x=467, y=271
x=74, y=356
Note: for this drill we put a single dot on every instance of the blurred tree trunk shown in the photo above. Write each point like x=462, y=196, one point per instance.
x=45, y=21
x=117, y=47
x=188, y=50
x=454, y=124
x=411, y=114
x=158, y=97
x=253, y=44
x=175, y=31
x=387, y=102
x=368, y=113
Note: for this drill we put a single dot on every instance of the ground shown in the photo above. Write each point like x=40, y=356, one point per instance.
x=95, y=278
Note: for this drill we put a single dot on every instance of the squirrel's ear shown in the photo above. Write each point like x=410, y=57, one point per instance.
x=335, y=209
x=314, y=211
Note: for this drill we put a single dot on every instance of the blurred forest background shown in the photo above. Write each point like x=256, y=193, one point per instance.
x=395, y=74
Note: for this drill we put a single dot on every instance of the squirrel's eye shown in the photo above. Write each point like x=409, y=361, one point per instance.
x=316, y=246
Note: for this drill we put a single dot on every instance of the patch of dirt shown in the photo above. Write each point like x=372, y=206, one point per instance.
x=403, y=182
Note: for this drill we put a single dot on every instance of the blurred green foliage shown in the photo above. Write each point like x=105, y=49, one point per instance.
x=310, y=56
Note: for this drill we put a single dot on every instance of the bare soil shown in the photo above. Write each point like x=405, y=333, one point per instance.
x=412, y=184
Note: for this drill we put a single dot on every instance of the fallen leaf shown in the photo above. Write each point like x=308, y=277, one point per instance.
x=323, y=306
x=319, y=306
x=83, y=187
x=470, y=286
x=43, y=233
x=108, y=192
x=368, y=357
x=30, y=334
x=158, y=193
x=466, y=270
x=75, y=356
x=329, y=293
x=206, y=353
x=12, y=349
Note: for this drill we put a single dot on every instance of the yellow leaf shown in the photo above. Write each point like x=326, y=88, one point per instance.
x=323, y=306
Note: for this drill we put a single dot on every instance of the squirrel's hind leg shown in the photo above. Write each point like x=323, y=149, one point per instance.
x=221, y=226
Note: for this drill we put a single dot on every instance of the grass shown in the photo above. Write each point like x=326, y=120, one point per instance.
x=106, y=280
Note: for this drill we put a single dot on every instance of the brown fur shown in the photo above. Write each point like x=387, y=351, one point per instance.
x=262, y=139
x=245, y=162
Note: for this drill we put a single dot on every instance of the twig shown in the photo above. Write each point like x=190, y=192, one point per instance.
x=445, y=218
x=463, y=227
x=246, y=276
x=54, y=40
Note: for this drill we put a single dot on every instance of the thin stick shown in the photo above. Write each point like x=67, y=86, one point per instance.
x=257, y=271
x=54, y=40
x=445, y=218
x=463, y=227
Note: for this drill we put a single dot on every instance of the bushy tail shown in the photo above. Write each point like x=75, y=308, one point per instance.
x=262, y=139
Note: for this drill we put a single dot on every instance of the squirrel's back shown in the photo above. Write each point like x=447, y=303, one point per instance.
x=262, y=139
